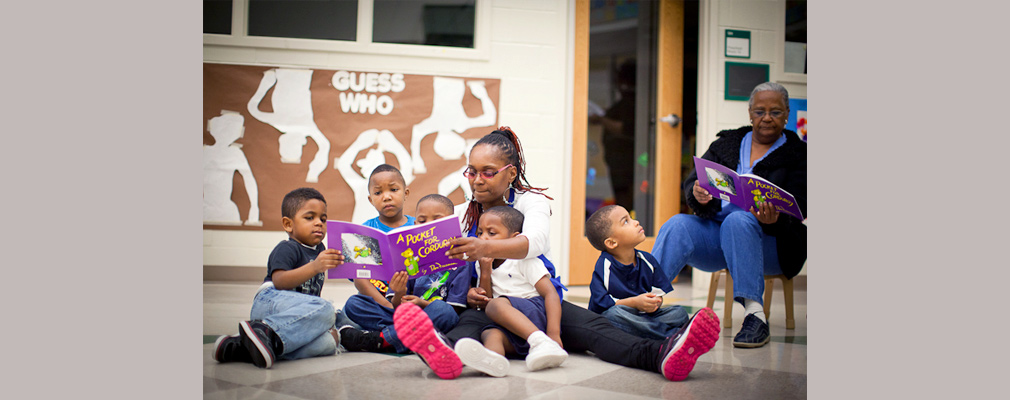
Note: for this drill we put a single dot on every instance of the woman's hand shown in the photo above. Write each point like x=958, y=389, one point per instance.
x=476, y=298
x=467, y=248
x=700, y=194
x=765, y=213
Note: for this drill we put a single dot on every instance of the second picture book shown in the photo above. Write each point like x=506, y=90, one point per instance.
x=743, y=190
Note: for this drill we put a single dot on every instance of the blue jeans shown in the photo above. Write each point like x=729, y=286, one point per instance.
x=658, y=324
x=369, y=315
x=300, y=320
x=733, y=240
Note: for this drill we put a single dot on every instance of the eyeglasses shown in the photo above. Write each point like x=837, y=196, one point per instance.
x=774, y=113
x=471, y=173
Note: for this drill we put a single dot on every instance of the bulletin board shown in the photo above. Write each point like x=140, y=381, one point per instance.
x=741, y=78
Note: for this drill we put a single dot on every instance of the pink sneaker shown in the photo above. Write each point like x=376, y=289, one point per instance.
x=682, y=349
x=415, y=330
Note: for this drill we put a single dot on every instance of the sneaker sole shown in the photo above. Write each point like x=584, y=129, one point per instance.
x=546, y=361
x=261, y=357
x=747, y=345
x=417, y=333
x=218, y=350
x=701, y=335
x=476, y=356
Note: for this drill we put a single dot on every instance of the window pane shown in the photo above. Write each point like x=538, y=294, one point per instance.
x=796, y=37
x=429, y=22
x=217, y=16
x=304, y=19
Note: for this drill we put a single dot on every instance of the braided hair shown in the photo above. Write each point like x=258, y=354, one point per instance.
x=508, y=145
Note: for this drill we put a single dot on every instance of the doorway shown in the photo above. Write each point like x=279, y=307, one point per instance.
x=634, y=115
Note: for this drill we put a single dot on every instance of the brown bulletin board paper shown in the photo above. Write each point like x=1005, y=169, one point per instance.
x=301, y=103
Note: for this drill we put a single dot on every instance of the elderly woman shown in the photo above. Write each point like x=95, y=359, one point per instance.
x=750, y=243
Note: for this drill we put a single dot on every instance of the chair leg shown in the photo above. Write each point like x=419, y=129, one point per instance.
x=727, y=321
x=769, y=287
x=713, y=284
x=787, y=290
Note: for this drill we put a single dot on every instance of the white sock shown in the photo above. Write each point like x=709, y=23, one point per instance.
x=536, y=334
x=753, y=307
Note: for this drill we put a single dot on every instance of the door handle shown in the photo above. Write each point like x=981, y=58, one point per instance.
x=671, y=119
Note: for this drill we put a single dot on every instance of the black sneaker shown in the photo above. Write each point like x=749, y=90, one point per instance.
x=230, y=348
x=261, y=342
x=753, y=334
x=358, y=340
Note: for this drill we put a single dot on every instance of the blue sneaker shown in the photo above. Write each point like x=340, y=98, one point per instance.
x=753, y=334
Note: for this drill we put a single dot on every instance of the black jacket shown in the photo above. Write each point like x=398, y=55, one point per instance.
x=786, y=167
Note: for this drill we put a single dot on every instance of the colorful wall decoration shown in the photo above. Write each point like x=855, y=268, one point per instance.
x=270, y=130
x=798, y=117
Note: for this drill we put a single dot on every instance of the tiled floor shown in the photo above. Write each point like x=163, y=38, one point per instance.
x=775, y=371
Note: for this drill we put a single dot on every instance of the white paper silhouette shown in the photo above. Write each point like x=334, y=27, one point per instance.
x=449, y=120
x=220, y=162
x=363, y=210
x=455, y=179
x=292, y=116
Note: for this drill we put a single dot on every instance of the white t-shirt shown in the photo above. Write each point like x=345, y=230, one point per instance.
x=517, y=278
x=536, y=222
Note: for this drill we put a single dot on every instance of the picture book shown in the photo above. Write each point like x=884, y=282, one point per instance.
x=743, y=190
x=372, y=254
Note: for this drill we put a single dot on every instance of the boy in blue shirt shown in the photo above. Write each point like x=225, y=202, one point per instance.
x=288, y=319
x=387, y=191
x=438, y=294
x=628, y=284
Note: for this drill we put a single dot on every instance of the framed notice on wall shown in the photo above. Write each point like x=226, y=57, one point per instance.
x=737, y=43
x=741, y=78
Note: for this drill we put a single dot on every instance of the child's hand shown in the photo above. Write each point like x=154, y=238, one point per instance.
x=555, y=336
x=398, y=284
x=476, y=297
x=486, y=263
x=649, y=302
x=416, y=300
x=328, y=259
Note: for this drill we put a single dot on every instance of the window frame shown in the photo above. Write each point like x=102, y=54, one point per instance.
x=780, y=49
x=363, y=43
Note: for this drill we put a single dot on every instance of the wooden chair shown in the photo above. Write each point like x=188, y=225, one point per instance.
x=787, y=290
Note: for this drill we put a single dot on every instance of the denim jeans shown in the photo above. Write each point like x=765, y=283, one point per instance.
x=732, y=240
x=369, y=315
x=301, y=321
x=655, y=325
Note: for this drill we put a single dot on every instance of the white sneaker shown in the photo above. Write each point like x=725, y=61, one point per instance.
x=475, y=355
x=544, y=352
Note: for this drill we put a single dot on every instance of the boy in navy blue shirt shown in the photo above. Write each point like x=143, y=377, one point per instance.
x=628, y=284
x=439, y=294
x=288, y=319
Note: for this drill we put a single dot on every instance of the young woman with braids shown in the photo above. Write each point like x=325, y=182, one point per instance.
x=497, y=177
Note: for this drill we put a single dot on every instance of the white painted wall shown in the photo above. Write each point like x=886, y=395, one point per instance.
x=528, y=44
x=525, y=43
x=765, y=19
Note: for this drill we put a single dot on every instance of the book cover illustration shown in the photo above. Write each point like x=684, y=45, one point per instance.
x=743, y=190
x=371, y=254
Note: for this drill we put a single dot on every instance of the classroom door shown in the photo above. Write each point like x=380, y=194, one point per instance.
x=627, y=107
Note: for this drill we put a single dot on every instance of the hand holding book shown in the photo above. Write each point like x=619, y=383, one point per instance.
x=765, y=212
